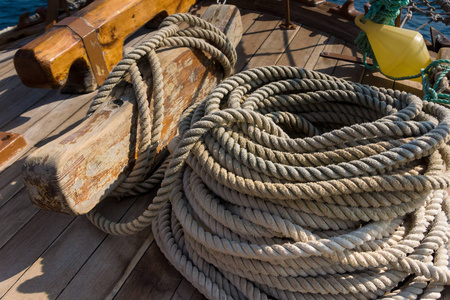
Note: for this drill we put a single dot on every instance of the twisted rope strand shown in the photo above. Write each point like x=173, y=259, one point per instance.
x=292, y=184
x=206, y=38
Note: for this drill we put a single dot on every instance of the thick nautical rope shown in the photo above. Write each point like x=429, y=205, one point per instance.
x=205, y=37
x=291, y=184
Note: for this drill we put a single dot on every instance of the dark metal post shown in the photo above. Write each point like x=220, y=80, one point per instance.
x=287, y=17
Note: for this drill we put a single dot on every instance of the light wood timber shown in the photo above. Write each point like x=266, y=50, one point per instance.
x=444, y=53
x=47, y=61
x=74, y=172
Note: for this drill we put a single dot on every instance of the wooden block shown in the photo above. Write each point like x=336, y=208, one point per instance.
x=10, y=145
x=49, y=60
x=444, y=53
x=76, y=171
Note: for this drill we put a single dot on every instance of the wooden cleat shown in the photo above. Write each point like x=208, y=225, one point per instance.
x=59, y=59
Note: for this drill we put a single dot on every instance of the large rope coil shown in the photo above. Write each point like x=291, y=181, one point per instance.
x=203, y=36
x=292, y=184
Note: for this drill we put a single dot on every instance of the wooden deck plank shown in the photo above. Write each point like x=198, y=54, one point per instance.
x=185, y=290
x=153, y=278
x=54, y=106
x=347, y=70
x=9, y=81
x=253, y=38
x=57, y=265
x=14, y=215
x=273, y=47
x=248, y=18
x=301, y=48
x=327, y=65
x=55, y=268
x=10, y=184
x=197, y=296
x=131, y=265
x=6, y=67
x=320, y=46
x=27, y=246
x=28, y=98
x=113, y=259
x=6, y=57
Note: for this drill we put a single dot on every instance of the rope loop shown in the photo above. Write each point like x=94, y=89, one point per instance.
x=205, y=37
x=288, y=183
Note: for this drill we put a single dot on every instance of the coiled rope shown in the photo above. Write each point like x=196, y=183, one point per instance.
x=291, y=184
x=205, y=37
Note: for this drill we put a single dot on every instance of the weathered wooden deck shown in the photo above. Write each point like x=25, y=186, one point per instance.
x=46, y=255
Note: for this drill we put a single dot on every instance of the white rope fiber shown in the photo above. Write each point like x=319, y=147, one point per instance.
x=203, y=36
x=292, y=184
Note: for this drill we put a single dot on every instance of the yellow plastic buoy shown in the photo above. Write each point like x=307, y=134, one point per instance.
x=399, y=52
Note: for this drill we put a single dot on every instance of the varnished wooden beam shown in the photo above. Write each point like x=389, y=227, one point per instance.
x=77, y=170
x=47, y=61
x=10, y=145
